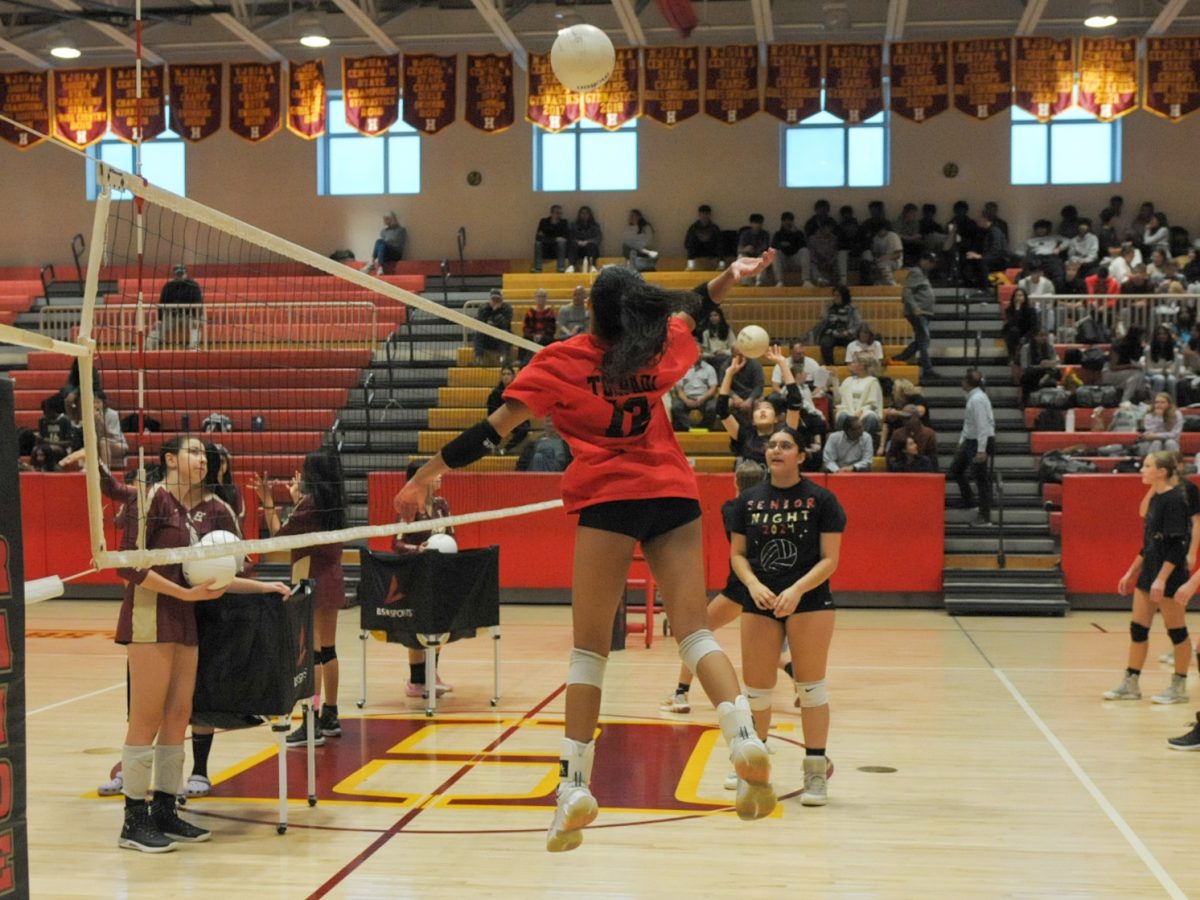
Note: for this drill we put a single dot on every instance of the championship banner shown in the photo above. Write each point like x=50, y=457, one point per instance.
x=1172, y=83
x=255, y=100
x=1044, y=75
x=672, y=92
x=982, y=76
x=306, y=99
x=491, y=105
x=549, y=105
x=132, y=120
x=617, y=101
x=14, y=841
x=731, y=82
x=793, y=81
x=854, y=81
x=80, y=105
x=920, y=79
x=1108, y=69
x=25, y=98
x=430, y=91
x=371, y=89
x=195, y=93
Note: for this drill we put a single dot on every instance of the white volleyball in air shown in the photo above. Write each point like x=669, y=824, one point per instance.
x=219, y=569
x=582, y=57
x=441, y=543
x=753, y=341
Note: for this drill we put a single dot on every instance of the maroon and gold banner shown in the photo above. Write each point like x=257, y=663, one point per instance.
x=80, y=105
x=550, y=105
x=731, y=82
x=132, y=120
x=672, y=92
x=1044, y=75
x=1171, y=87
x=793, y=81
x=854, y=81
x=306, y=99
x=982, y=76
x=1108, y=76
x=430, y=91
x=25, y=98
x=490, y=105
x=255, y=100
x=371, y=89
x=195, y=93
x=617, y=101
x=920, y=79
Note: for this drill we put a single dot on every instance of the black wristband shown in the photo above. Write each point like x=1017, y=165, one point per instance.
x=722, y=406
x=794, y=398
x=473, y=444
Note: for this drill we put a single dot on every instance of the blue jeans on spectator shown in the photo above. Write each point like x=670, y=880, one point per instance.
x=385, y=252
x=919, y=344
x=557, y=246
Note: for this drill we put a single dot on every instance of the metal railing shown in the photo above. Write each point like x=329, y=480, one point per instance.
x=311, y=325
x=1116, y=312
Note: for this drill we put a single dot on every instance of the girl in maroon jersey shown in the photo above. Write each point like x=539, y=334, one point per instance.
x=629, y=483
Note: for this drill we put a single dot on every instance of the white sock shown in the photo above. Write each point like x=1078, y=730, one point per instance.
x=736, y=720
x=136, y=765
x=575, y=763
x=168, y=768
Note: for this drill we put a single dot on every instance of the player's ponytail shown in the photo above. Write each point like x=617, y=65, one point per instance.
x=321, y=479
x=631, y=317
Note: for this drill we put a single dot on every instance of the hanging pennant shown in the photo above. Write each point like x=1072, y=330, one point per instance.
x=617, y=101
x=255, y=100
x=195, y=95
x=854, y=81
x=490, y=104
x=731, y=82
x=550, y=105
x=430, y=91
x=371, y=90
x=794, y=81
x=920, y=79
x=80, y=105
x=672, y=93
x=25, y=98
x=1108, y=76
x=982, y=76
x=306, y=99
x=1044, y=75
x=133, y=120
x=1172, y=82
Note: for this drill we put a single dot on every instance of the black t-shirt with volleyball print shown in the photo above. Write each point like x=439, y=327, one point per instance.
x=783, y=528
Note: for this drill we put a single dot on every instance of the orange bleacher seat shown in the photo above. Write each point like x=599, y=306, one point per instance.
x=267, y=358
x=1041, y=441
x=268, y=333
x=185, y=380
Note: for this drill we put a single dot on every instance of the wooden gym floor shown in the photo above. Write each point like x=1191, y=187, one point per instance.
x=974, y=758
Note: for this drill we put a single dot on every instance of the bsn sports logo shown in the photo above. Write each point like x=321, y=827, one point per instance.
x=778, y=556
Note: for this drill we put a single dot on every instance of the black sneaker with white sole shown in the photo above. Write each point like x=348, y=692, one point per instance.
x=1189, y=741
x=141, y=833
x=329, y=725
x=299, y=737
x=166, y=818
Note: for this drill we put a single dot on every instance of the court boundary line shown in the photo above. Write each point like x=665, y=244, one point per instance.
x=95, y=693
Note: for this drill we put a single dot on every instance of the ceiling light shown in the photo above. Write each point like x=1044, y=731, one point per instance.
x=63, y=47
x=1101, y=15
x=312, y=34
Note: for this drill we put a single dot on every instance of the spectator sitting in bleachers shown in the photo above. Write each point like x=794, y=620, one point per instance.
x=876, y=216
x=746, y=388
x=923, y=439
x=1035, y=284
x=827, y=262
x=1185, y=319
x=496, y=399
x=991, y=209
x=1163, y=425
x=789, y=246
x=180, y=314
x=499, y=315
x=1162, y=362
x=884, y=255
x=549, y=453
x=1111, y=234
x=1038, y=361
x=988, y=254
x=716, y=341
x=1068, y=223
x=932, y=232
x=1138, y=226
x=552, y=235
x=1043, y=251
x=839, y=325
x=866, y=342
x=1021, y=320
x=574, y=318
x=753, y=240
x=694, y=397
x=908, y=227
x=1101, y=282
x=1074, y=280
x=540, y=324
x=850, y=448
x=1137, y=282
x=584, y=244
x=1156, y=236
x=1116, y=217
x=911, y=461
x=389, y=247
x=821, y=216
x=851, y=239
x=1124, y=369
x=1121, y=265
x=1171, y=280
x=636, y=238
x=1154, y=268
x=109, y=436
x=703, y=238
x=1084, y=248
x=63, y=432
x=860, y=396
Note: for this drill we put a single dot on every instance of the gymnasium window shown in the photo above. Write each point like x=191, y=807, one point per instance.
x=1072, y=148
x=585, y=157
x=824, y=151
x=162, y=162
x=352, y=163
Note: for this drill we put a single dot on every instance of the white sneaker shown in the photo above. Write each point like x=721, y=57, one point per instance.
x=575, y=810
x=816, y=781
x=569, y=270
x=1127, y=690
x=1168, y=658
x=1175, y=693
x=691, y=265
x=731, y=781
x=676, y=703
x=113, y=786
x=779, y=284
x=752, y=765
x=653, y=254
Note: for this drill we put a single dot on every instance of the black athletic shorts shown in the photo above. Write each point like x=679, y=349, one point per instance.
x=817, y=599
x=641, y=520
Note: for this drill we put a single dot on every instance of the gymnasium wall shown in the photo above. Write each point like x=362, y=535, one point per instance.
x=735, y=168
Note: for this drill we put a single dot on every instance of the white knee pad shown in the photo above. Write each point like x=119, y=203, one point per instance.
x=586, y=667
x=811, y=693
x=758, y=698
x=696, y=646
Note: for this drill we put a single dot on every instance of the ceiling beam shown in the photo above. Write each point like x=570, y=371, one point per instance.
x=32, y=58
x=1031, y=17
x=629, y=21
x=1164, y=19
x=897, y=16
x=367, y=25
x=241, y=32
x=115, y=34
x=494, y=18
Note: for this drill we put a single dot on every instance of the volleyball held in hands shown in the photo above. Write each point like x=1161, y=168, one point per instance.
x=582, y=57
x=221, y=570
x=441, y=543
x=753, y=341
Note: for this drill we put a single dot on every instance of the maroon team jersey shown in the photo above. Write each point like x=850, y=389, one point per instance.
x=620, y=434
x=322, y=563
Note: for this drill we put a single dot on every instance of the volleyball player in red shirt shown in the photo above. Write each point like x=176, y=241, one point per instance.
x=629, y=483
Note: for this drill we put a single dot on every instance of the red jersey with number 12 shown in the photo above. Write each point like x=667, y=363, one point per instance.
x=619, y=433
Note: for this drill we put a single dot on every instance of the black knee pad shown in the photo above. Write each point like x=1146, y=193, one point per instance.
x=1139, y=634
x=325, y=655
x=1178, y=635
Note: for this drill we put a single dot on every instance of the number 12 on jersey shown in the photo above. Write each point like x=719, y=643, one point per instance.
x=637, y=408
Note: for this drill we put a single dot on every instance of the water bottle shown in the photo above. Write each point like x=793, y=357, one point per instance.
x=1070, y=417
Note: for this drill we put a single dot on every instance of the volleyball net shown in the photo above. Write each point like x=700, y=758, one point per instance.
x=300, y=374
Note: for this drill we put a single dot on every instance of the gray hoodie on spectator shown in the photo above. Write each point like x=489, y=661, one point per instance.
x=918, y=293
